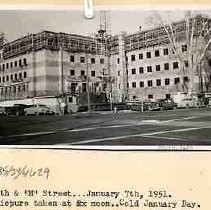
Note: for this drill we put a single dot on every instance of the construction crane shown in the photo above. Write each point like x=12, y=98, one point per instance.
x=104, y=37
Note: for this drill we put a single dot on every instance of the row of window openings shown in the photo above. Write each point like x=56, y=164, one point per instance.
x=16, y=63
x=150, y=96
x=16, y=76
x=82, y=60
x=72, y=73
x=84, y=86
x=158, y=67
x=157, y=53
x=15, y=89
x=158, y=82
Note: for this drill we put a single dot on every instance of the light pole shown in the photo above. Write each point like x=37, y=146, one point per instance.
x=87, y=81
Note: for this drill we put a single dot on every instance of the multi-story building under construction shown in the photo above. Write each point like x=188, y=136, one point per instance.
x=160, y=62
x=52, y=64
x=152, y=64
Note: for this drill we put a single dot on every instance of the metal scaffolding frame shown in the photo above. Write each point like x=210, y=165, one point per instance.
x=52, y=41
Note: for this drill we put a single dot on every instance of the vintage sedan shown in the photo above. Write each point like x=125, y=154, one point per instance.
x=16, y=109
x=37, y=109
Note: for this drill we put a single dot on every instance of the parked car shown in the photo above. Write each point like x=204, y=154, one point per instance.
x=16, y=109
x=187, y=103
x=153, y=106
x=145, y=106
x=37, y=110
x=82, y=109
x=167, y=104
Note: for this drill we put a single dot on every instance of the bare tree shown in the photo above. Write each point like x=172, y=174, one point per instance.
x=189, y=40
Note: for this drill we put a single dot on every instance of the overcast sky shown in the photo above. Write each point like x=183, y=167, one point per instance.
x=16, y=23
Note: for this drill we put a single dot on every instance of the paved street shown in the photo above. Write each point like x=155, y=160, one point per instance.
x=173, y=127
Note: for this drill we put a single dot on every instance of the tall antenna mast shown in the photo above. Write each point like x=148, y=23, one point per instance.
x=104, y=37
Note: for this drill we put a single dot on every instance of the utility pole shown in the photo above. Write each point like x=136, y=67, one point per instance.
x=63, y=104
x=87, y=82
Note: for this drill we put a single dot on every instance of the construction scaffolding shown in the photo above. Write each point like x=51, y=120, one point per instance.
x=160, y=35
x=52, y=41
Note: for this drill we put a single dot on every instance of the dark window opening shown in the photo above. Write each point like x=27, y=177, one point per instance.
x=150, y=96
x=175, y=65
x=70, y=99
x=184, y=48
x=141, y=84
x=133, y=57
x=72, y=58
x=176, y=80
x=165, y=51
x=141, y=56
x=141, y=70
x=93, y=73
x=166, y=66
x=72, y=72
x=133, y=71
x=185, y=79
x=186, y=63
x=157, y=53
x=82, y=59
x=24, y=62
x=157, y=67
x=149, y=68
x=158, y=82
x=92, y=60
x=82, y=72
x=148, y=54
x=133, y=84
x=149, y=83
x=73, y=87
x=118, y=60
x=168, y=96
x=167, y=81
x=24, y=74
x=102, y=61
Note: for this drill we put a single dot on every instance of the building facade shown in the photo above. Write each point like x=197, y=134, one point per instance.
x=163, y=61
x=147, y=65
x=51, y=64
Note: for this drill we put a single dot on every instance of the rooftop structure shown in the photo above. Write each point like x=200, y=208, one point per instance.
x=52, y=41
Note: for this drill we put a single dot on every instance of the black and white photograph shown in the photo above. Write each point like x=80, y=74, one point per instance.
x=132, y=77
